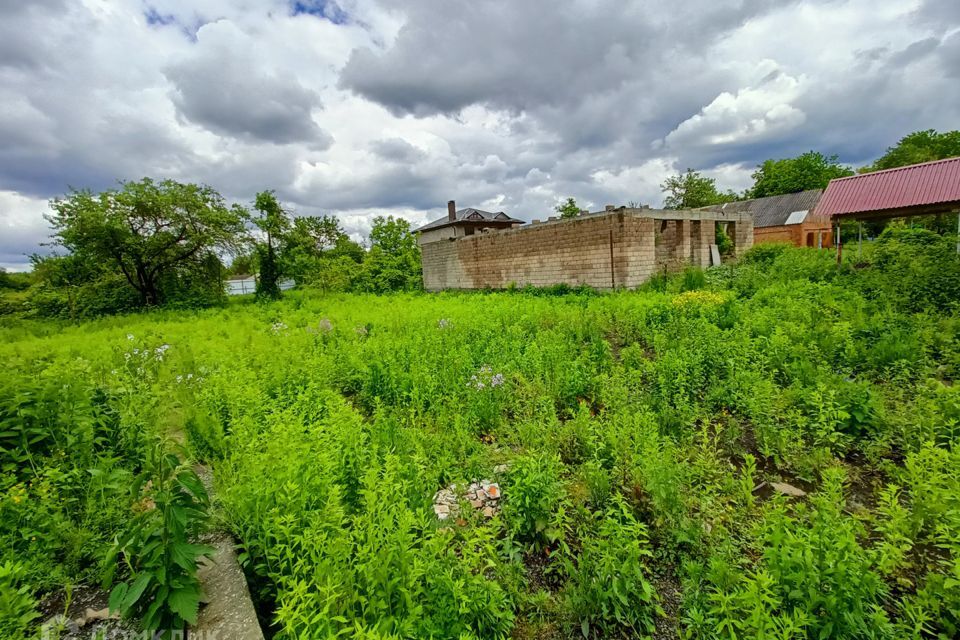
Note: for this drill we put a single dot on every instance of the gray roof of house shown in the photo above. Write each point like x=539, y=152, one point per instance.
x=775, y=211
x=470, y=215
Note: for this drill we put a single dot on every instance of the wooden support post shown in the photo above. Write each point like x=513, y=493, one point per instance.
x=839, y=244
x=958, y=232
x=859, y=239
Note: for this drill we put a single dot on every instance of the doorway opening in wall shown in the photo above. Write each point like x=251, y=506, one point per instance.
x=723, y=237
x=810, y=239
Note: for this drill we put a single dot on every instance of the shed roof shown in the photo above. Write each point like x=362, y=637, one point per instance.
x=471, y=215
x=774, y=211
x=922, y=187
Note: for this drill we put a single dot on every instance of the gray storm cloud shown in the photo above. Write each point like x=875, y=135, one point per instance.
x=396, y=107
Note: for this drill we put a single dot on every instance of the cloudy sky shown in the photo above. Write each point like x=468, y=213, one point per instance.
x=364, y=107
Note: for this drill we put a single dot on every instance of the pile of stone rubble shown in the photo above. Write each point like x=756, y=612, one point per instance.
x=482, y=495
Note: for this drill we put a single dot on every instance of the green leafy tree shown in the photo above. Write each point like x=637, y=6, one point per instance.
x=315, y=234
x=147, y=231
x=568, y=209
x=691, y=190
x=243, y=264
x=318, y=252
x=810, y=170
x=392, y=236
x=393, y=261
x=274, y=223
x=16, y=281
x=919, y=146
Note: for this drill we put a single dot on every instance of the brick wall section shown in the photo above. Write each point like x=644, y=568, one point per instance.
x=795, y=234
x=605, y=250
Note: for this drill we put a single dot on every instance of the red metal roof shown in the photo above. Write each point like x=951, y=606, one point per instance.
x=919, y=185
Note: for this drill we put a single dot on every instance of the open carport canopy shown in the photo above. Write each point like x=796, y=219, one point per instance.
x=920, y=189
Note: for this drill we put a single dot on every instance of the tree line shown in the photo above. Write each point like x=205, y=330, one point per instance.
x=810, y=170
x=154, y=243
x=150, y=243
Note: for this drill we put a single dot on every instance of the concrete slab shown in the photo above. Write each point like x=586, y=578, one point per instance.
x=228, y=613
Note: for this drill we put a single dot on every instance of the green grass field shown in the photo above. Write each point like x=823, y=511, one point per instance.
x=646, y=445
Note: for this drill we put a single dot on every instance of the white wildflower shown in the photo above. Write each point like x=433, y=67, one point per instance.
x=484, y=378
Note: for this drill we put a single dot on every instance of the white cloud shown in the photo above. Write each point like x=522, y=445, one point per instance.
x=22, y=229
x=753, y=114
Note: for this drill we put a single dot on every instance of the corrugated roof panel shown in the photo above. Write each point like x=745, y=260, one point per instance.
x=773, y=211
x=918, y=185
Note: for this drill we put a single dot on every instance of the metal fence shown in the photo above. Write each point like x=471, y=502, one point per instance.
x=241, y=286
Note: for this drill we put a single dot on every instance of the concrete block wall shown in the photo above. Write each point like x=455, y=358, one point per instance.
x=742, y=236
x=619, y=248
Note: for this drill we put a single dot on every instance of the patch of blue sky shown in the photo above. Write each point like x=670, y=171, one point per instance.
x=156, y=18
x=326, y=9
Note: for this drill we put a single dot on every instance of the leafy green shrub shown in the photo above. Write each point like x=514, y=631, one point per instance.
x=598, y=482
x=919, y=528
x=466, y=591
x=724, y=243
x=17, y=605
x=815, y=580
x=916, y=268
x=532, y=496
x=170, y=505
x=693, y=279
x=609, y=590
x=764, y=254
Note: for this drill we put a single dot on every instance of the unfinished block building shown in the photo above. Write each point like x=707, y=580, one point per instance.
x=618, y=247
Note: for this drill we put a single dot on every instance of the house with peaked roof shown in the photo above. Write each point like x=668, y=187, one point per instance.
x=789, y=218
x=464, y=222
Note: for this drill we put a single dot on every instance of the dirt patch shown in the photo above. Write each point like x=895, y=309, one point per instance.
x=671, y=599
x=78, y=621
x=616, y=345
x=537, y=565
x=863, y=483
